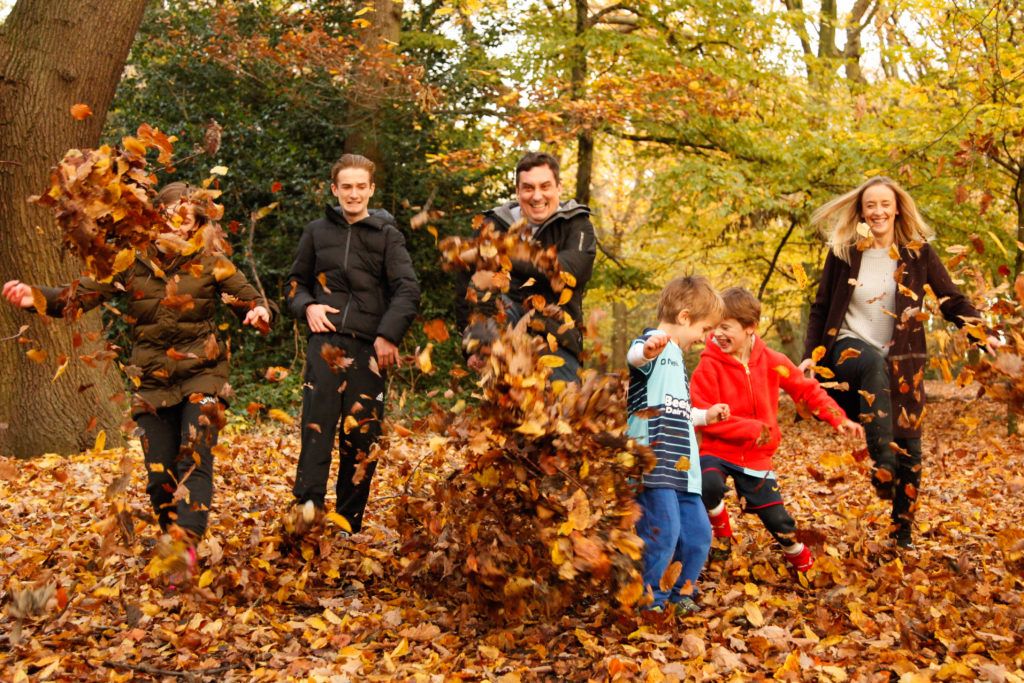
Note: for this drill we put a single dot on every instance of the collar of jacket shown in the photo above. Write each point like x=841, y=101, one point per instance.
x=378, y=218
x=714, y=352
x=509, y=214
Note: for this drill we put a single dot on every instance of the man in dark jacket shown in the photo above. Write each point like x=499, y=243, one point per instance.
x=564, y=225
x=353, y=282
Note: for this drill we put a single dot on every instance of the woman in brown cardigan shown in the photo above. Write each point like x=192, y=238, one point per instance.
x=169, y=295
x=868, y=317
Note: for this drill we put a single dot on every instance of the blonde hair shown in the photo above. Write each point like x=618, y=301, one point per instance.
x=204, y=209
x=693, y=294
x=839, y=218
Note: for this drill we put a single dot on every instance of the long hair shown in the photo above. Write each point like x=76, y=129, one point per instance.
x=839, y=218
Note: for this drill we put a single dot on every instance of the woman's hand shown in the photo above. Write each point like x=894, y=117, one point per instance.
x=18, y=293
x=256, y=316
x=316, y=316
x=717, y=413
x=851, y=428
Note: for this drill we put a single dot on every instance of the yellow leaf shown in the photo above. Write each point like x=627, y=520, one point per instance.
x=106, y=592
x=489, y=651
x=564, y=297
x=101, y=441
x=551, y=361
x=823, y=371
x=401, y=649
x=328, y=614
x=219, y=170
x=782, y=370
x=206, y=578
x=753, y=614
x=863, y=230
x=800, y=275
x=631, y=592
x=317, y=623
x=350, y=424
x=134, y=145
x=262, y=212
x=280, y=416
x=818, y=353
x=894, y=252
x=568, y=278
x=38, y=355
x=340, y=520
x=530, y=428
x=223, y=269
x=423, y=359
x=124, y=259
x=683, y=464
x=61, y=367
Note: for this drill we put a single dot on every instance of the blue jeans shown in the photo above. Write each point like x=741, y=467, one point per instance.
x=675, y=528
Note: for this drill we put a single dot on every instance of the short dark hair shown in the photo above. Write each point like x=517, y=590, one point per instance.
x=742, y=306
x=532, y=160
x=692, y=293
x=352, y=161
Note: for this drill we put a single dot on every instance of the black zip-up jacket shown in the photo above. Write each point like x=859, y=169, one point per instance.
x=570, y=230
x=362, y=269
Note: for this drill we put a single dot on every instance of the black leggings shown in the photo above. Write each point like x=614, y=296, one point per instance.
x=869, y=373
x=758, y=496
x=177, y=443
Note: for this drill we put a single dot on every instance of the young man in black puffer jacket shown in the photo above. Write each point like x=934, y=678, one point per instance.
x=353, y=283
x=564, y=225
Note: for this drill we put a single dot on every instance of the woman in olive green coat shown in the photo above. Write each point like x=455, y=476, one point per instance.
x=178, y=365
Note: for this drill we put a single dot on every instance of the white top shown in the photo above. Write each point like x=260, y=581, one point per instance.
x=874, y=299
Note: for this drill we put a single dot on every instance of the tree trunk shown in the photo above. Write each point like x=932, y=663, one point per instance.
x=577, y=91
x=384, y=29
x=53, y=54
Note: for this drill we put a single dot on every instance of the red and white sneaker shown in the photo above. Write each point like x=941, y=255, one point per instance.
x=177, y=559
x=802, y=560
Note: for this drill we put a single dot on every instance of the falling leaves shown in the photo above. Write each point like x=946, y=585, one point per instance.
x=81, y=111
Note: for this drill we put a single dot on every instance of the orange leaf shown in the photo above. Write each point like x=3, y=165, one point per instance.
x=81, y=111
x=846, y=355
x=436, y=330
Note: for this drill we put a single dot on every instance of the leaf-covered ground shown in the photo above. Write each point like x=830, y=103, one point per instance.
x=77, y=541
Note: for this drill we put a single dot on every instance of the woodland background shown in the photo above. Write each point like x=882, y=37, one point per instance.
x=702, y=134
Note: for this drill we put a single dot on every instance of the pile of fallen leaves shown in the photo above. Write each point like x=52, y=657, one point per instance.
x=526, y=503
x=102, y=200
x=76, y=539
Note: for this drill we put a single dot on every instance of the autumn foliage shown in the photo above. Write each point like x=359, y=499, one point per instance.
x=525, y=502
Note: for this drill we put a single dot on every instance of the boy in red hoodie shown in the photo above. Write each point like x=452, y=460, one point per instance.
x=738, y=368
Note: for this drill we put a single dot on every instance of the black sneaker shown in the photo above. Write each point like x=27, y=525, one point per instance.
x=903, y=539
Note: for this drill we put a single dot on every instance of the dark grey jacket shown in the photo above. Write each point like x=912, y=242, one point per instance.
x=362, y=269
x=569, y=230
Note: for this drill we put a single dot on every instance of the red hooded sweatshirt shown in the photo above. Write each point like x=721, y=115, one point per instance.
x=752, y=393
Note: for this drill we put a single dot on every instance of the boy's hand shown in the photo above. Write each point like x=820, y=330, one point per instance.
x=717, y=413
x=655, y=345
x=18, y=293
x=316, y=316
x=805, y=365
x=851, y=428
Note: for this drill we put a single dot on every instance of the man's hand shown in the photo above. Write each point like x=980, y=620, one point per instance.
x=316, y=316
x=387, y=353
x=717, y=413
x=655, y=345
x=851, y=428
x=18, y=293
x=259, y=314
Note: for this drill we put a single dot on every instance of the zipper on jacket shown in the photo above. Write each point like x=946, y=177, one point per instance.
x=344, y=262
x=750, y=389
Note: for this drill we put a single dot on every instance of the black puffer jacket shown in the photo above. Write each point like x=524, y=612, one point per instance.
x=362, y=269
x=570, y=230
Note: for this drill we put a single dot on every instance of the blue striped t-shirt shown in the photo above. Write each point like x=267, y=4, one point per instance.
x=661, y=391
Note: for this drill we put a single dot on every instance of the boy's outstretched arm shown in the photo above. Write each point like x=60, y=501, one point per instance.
x=639, y=356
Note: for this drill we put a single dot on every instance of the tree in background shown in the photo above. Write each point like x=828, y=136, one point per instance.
x=53, y=56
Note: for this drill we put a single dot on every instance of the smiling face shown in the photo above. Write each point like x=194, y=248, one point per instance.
x=879, y=210
x=353, y=187
x=733, y=338
x=689, y=331
x=181, y=218
x=538, y=192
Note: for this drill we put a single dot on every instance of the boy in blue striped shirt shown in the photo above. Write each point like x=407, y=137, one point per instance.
x=674, y=524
